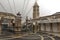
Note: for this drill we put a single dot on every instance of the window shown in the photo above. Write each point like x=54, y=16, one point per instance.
x=5, y=20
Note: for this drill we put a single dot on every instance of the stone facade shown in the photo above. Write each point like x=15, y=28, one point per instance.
x=9, y=21
x=35, y=10
x=49, y=23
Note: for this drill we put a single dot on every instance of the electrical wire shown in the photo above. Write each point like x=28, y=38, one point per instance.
x=23, y=6
x=26, y=6
x=28, y=12
x=14, y=5
x=3, y=7
x=10, y=5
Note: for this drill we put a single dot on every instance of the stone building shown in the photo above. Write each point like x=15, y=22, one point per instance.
x=49, y=23
x=8, y=22
x=5, y=20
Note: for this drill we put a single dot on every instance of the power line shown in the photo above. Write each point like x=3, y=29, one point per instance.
x=23, y=6
x=3, y=7
x=26, y=6
x=28, y=12
x=14, y=5
x=10, y=5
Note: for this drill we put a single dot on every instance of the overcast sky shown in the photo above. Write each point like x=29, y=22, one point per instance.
x=47, y=7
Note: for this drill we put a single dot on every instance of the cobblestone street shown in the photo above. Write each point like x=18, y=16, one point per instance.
x=31, y=36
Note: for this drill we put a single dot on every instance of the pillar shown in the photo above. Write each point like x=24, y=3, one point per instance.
x=58, y=27
x=39, y=27
x=51, y=27
x=33, y=28
x=47, y=27
x=36, y=27
x=44, y=27
x=55, y=26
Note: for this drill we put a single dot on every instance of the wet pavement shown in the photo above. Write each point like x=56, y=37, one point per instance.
x=4, y=35
x=57, y=38
x=29, y=37
x=47, y=38
x=36, y=36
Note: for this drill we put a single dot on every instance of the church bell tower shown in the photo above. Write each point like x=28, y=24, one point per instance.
x=35, y=10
